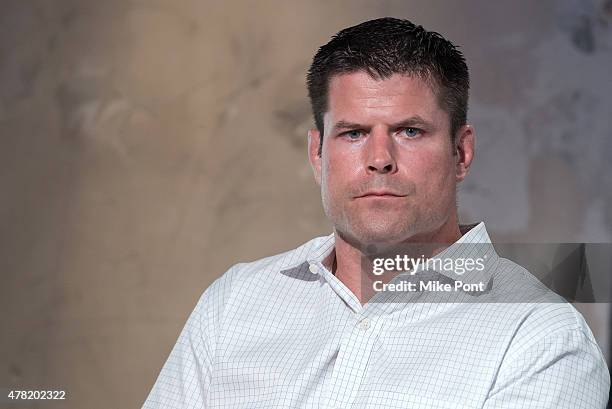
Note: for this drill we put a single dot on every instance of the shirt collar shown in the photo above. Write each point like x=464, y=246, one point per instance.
x=323, y=250
x=474, y=243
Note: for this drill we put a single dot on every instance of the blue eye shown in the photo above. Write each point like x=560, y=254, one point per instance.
x=411, y=132
x=353, y=134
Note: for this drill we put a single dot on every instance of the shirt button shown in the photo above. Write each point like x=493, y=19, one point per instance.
x=313, y=269
x=364, y=324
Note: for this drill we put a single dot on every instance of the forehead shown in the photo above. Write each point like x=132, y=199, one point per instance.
x=358, y=96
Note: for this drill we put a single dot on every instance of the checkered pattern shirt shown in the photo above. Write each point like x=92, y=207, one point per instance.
x=284, y=332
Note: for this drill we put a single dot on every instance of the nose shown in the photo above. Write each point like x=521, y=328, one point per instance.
x=380, y=155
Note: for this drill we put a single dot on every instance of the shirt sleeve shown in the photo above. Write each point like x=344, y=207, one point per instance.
x=563, y=369
x=184, y=380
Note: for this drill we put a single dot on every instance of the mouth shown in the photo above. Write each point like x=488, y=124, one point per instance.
x=380, y=194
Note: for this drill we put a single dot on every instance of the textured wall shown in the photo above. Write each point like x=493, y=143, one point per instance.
x=149, y=145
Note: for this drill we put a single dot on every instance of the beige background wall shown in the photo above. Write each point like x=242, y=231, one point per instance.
x=146, y=146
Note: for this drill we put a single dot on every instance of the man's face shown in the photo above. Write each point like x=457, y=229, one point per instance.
x=387, y=171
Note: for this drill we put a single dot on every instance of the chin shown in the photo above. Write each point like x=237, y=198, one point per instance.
x=383, y=238
x=381, y=234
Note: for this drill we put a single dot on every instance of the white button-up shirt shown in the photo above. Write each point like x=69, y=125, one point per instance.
x=284, y=332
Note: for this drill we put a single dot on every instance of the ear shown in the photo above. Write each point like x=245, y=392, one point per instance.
x=464, y=149
x=314, y=138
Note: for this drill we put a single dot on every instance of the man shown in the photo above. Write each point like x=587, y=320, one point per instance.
x=313, y=328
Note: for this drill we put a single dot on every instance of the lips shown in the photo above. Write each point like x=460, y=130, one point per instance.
x=381, y=193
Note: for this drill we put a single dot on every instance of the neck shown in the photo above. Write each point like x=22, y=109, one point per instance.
x=346, y=259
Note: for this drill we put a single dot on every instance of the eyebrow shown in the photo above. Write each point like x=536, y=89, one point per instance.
x=414, y=120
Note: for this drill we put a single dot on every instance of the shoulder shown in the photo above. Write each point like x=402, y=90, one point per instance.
x=549, y=346
x=268, y=267
x=246, y=281
x=512, y=283
x=532, y=313
x=285, y=260
x=554, y=352
x=539, y=309
x=545, y=325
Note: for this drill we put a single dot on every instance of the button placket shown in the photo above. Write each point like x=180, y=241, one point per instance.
x=351, y=367
x=365, y=324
